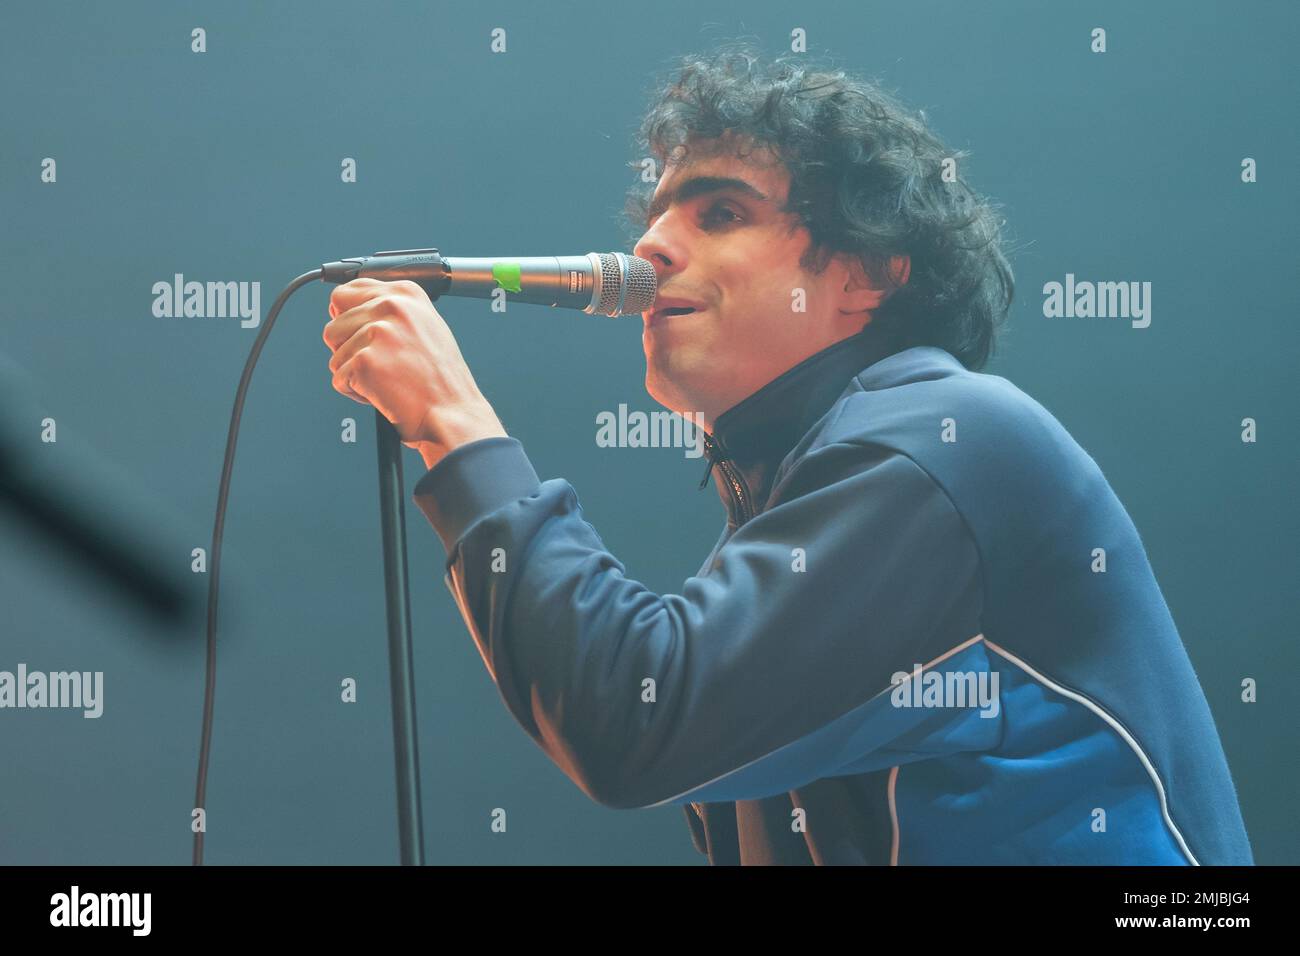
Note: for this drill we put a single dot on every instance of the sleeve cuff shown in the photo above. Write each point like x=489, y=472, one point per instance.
x=471, y=482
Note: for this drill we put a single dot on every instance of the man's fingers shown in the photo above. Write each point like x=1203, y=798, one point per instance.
x=340, y=329
x=354, y=344
x=342, y=383
x=346, y=308
x=349, y=295
x=357, y=321
x=345, y=299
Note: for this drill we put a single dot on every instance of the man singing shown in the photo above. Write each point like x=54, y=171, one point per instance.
x=929, y=632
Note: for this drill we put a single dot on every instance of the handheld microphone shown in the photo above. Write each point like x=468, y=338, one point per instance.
x=605, y=283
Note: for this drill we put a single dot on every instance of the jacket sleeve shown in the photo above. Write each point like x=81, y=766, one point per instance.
x=755, y=679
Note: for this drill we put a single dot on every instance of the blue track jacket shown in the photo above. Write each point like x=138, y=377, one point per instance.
x=928, y=634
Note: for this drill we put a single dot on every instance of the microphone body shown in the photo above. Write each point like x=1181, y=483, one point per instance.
x=609, y=283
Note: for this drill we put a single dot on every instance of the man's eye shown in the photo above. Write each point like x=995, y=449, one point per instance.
x=720, y=213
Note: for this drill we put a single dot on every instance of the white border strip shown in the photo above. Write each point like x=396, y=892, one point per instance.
x=893, y=773
x=1124, y=734
x=893, y=816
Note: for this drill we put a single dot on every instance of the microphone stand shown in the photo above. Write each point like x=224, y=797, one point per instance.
x=397, y=597
x=401, y=673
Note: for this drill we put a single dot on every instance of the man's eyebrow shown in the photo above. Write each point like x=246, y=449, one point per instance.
x=699, y=186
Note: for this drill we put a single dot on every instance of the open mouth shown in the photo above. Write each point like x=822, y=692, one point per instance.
x=672, y=310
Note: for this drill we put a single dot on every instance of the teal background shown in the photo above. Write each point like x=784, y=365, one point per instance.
x=225, y=166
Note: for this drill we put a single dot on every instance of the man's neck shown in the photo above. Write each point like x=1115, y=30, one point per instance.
x=758, y=432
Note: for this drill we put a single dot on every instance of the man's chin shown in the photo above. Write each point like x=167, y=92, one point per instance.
x=670, y=391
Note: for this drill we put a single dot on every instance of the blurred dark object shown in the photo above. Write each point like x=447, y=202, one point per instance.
x=85, y=520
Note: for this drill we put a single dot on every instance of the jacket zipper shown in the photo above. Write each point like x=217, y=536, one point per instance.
x=719, y=456
x=740, y=496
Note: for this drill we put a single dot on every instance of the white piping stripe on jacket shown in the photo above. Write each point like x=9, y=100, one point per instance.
x=1095, y=708
x=893, y=816
x=1116, y=726
x=893, y=774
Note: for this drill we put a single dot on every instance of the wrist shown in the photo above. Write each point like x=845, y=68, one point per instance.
x=447, y=429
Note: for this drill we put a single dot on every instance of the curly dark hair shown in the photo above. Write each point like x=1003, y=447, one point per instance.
x=866, y=177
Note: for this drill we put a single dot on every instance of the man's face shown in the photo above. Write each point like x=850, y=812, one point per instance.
x=719, y=240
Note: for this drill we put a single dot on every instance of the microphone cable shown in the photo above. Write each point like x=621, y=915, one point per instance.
x=205, y=747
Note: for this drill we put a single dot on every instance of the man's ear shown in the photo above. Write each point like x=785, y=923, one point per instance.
x=863, y=294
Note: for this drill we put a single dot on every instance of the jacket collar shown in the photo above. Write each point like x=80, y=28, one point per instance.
x=751, y=439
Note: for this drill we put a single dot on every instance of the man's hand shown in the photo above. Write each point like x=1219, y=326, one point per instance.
x=392, y=350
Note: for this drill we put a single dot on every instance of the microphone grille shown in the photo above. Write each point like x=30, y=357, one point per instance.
x=628, y=284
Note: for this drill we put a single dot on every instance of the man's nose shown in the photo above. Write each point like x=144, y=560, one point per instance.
x=661, y=249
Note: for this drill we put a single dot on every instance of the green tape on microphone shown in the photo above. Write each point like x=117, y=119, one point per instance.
x=507, y=275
